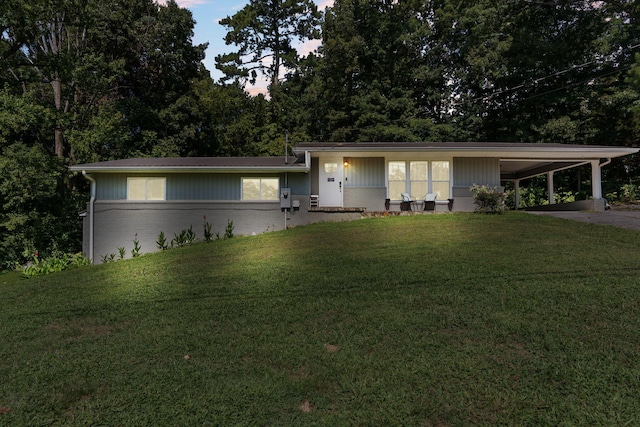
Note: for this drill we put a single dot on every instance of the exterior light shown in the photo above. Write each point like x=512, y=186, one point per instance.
x=346, y=163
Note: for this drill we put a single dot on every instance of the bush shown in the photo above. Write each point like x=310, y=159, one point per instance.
x=54, y=263
x=488, y=199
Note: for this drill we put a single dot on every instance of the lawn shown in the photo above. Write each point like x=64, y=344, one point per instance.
x=456, y=319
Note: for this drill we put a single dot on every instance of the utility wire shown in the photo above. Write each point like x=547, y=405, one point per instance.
x=556, y=74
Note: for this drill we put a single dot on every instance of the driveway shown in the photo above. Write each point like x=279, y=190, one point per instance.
x=616, y=217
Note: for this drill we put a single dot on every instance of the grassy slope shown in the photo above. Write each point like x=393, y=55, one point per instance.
x=436, y=320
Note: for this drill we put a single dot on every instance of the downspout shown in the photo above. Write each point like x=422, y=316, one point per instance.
x=605, y=163
x=91, y=211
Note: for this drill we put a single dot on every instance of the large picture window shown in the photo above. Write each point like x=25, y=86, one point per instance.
x=419, y=178
x=145, y=188
x=260, y=188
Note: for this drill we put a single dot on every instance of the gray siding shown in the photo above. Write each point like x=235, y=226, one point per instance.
x=365, y=172
x=370, y=198
x=117, y=223
x=204, y=186
x=481, y=171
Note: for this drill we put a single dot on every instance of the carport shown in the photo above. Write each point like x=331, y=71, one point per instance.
x=547, y=159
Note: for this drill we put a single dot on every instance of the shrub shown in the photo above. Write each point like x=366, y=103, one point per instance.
x=58, y=261
x=488, y=199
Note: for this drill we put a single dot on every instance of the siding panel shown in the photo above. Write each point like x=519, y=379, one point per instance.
x=469, y=171
x=365, y=172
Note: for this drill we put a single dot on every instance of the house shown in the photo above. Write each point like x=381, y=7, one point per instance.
x=139, y=198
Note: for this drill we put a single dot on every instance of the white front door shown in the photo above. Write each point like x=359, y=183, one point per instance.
x=330, y=178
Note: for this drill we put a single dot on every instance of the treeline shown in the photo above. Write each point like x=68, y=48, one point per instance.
x=88, y=80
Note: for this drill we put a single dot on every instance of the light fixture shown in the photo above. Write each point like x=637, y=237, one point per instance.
x=346, y=163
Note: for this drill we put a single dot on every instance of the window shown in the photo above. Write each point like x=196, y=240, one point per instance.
x=397, y=179
x=419, y=186
x=260, y=188
x=440, y=184
x=419, y=178
x=146, y=188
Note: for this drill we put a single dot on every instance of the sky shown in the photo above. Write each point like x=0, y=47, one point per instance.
x=208, y=13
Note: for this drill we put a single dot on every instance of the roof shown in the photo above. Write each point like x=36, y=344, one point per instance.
x=502, y=150
x=197, y=164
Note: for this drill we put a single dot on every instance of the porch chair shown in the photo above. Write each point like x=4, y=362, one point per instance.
x=430, y=202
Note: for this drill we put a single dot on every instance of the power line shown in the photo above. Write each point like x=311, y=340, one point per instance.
x=556, y=74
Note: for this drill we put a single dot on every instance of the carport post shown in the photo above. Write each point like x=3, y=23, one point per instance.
x=550, y=187
x=516, y=190
x=596, y=179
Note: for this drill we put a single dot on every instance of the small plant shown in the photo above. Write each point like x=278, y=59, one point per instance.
x=488, y=199
x=228, y=231
x=135, y=252
x=121, y=251
x=628, y=193
x=190, y=235
x=184, y=238
x=208, y=235
x=161, y=243
x=108, y=258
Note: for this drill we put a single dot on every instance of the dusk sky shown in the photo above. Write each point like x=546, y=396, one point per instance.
x=208, y=14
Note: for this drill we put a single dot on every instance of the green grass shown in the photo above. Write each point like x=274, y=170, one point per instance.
x=433, y=320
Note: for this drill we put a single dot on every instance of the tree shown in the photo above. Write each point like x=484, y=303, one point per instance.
x=264, y=31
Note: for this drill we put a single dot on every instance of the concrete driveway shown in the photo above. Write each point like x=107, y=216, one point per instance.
x=616, y=217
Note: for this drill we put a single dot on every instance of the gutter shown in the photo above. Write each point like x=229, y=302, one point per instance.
x=92, y=201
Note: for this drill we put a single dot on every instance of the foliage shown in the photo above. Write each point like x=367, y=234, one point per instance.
x=264, y=30
x=54, y=263
x=135, y=252
x=228, y=230
x=488, y=199
x=121, y=253
x=37, y=208
x=108, y=258
x=208, y=235
x=628, y=194
x=490, y=341
x=184, y=238
x=161, y=243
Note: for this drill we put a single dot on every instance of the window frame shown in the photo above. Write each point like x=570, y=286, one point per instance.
x=408, y=181
x=147, y=179
x=260, y=189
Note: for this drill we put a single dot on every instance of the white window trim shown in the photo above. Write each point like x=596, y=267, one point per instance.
x=408, y=174
x=146, y=191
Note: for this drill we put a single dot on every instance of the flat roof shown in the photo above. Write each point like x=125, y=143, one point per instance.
x=476, y=149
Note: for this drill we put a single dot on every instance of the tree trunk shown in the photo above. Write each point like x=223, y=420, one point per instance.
x=56, y=84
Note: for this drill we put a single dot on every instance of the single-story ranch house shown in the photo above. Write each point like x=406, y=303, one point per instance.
x=139, y=198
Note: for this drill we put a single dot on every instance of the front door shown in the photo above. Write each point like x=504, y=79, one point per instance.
x=330, y=178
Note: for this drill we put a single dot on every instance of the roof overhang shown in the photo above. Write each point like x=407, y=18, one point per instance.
x=197, y=165
x=517, y=160
x=474, y=149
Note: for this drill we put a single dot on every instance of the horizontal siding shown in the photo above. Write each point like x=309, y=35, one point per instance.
x=204, y=186
x=481, y=171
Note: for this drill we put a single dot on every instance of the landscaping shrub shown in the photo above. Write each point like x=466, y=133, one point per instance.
x=488, y=199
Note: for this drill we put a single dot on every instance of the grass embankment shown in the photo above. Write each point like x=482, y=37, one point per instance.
x=435, y=320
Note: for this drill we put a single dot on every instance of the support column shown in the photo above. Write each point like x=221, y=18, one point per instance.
x=516, y=191
x=596, y=180
x=550, y=187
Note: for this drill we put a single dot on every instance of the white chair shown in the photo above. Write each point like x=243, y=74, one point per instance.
x=430, y=202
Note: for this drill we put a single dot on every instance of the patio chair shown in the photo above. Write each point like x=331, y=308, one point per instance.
x=430, y=202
